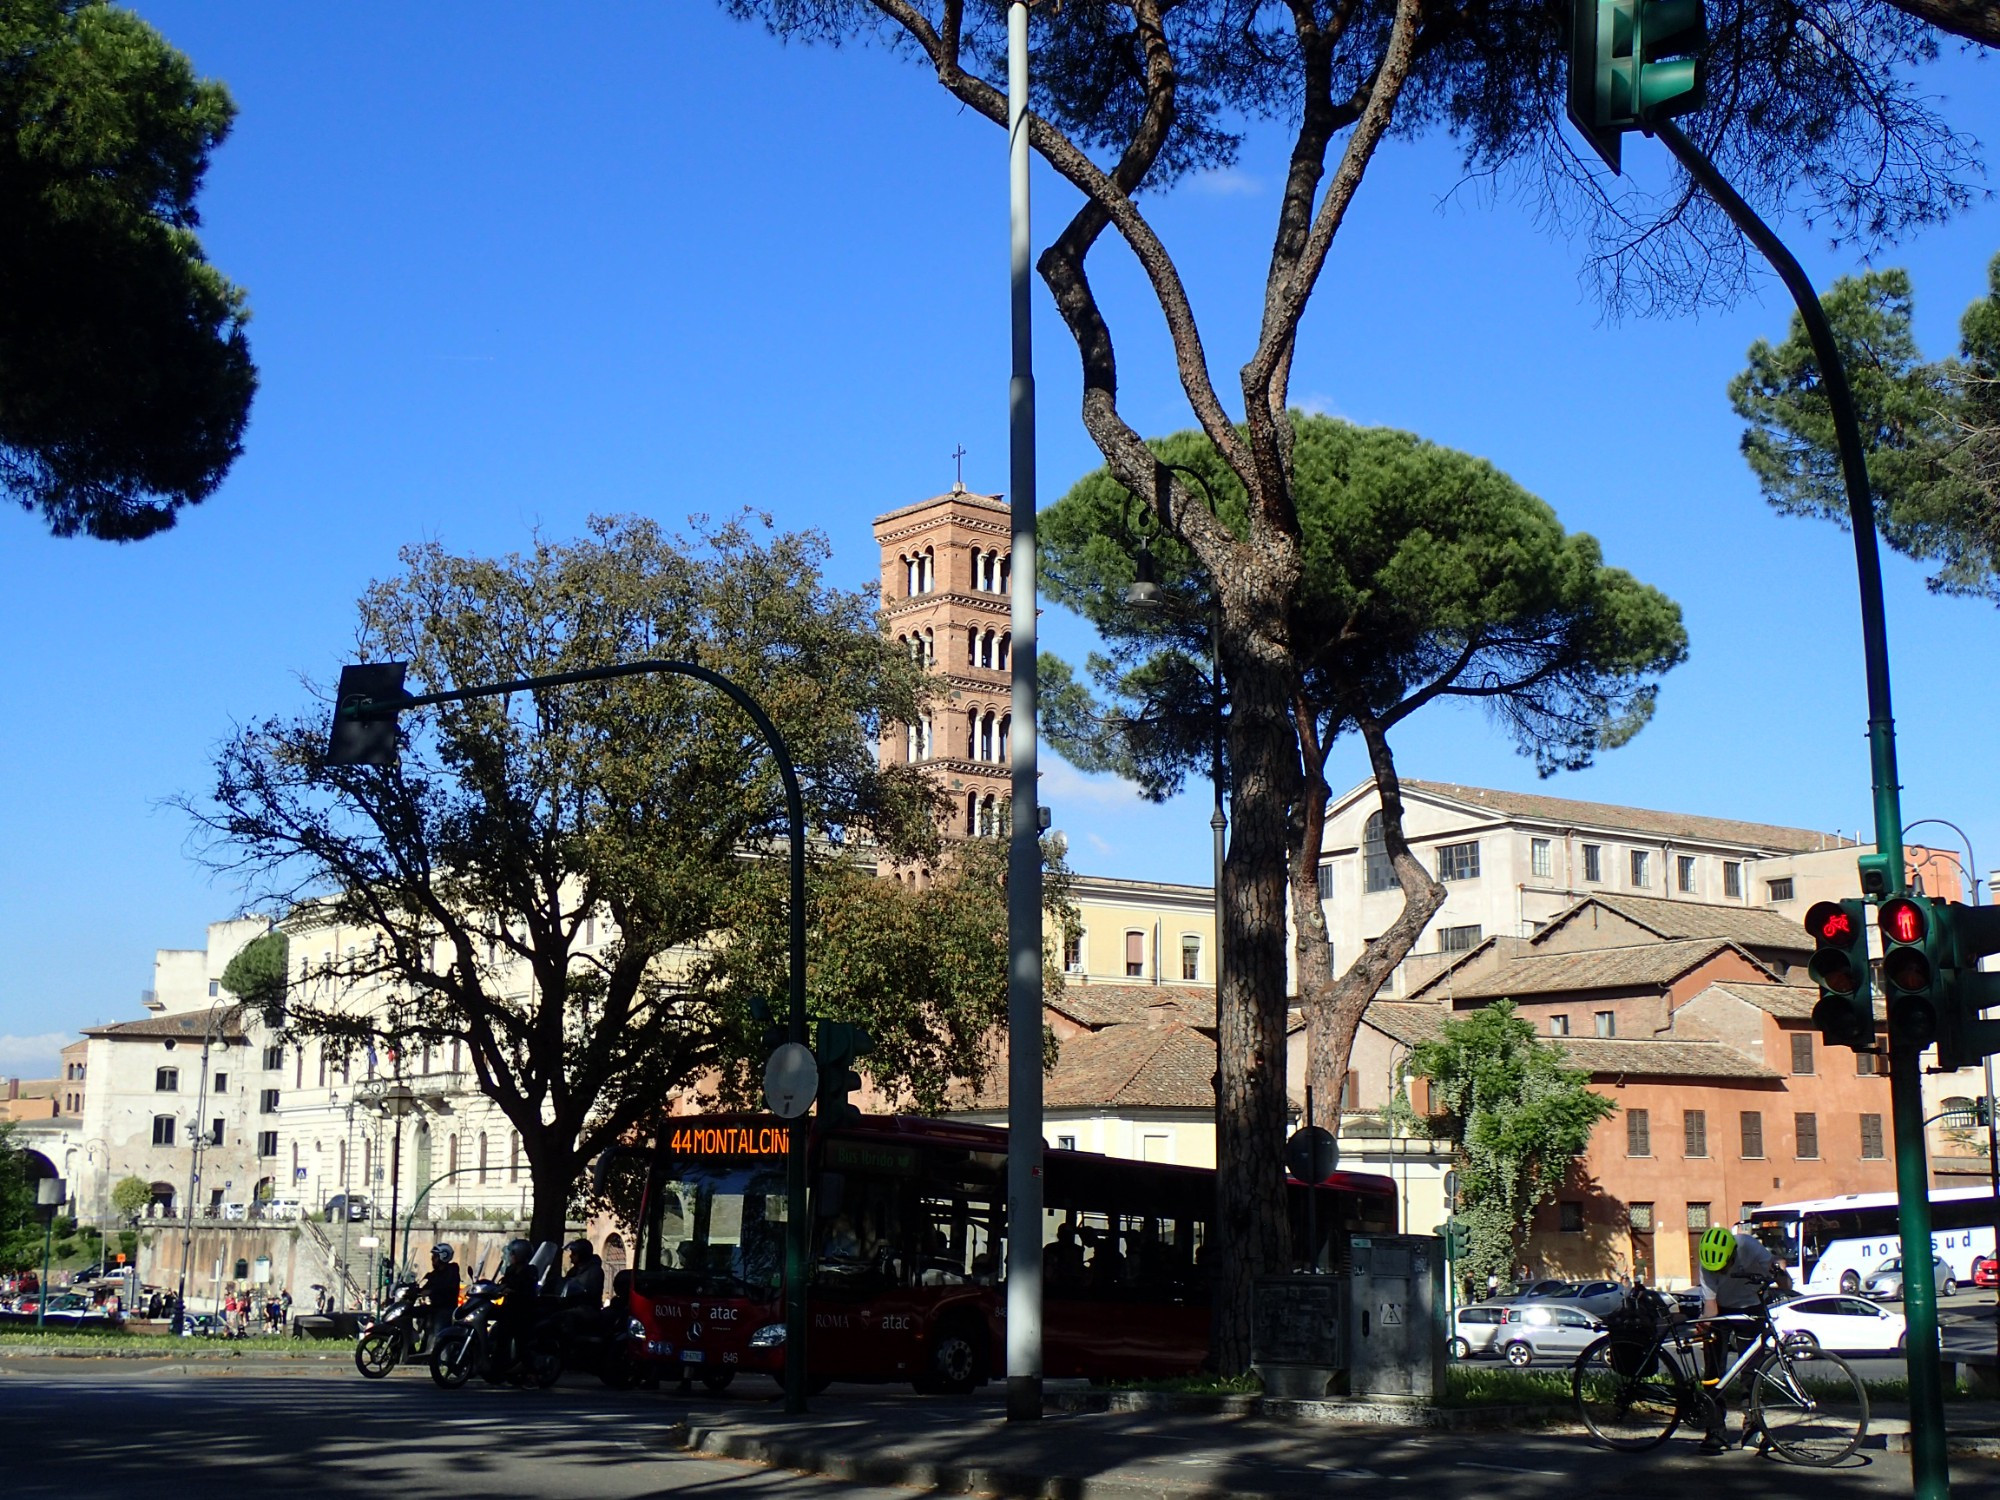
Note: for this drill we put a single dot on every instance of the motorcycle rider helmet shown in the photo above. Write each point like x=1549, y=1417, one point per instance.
x=440, y=1254
x=1718, y=1249
x=517, y=1252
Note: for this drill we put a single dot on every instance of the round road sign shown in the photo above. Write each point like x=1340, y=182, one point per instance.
x=791, y=1078
x=1310, y=1155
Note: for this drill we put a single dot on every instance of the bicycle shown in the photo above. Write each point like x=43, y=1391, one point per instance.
x=1635, y=1386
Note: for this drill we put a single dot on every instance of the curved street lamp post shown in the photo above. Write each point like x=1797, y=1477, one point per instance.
x=368, y=700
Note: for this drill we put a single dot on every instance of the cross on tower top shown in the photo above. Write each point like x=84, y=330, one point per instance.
x=958, y=456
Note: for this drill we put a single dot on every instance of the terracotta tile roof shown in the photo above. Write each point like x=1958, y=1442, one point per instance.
x=1167, y=1066
x=1567, y=812
x=182, y=1026
x=1630, y=1057
x=1751, y=926
x=1636, y=966
x=1788, y=1002
x=1097, y=1005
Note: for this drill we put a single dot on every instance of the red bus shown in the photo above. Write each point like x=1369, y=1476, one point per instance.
x=908, y=1246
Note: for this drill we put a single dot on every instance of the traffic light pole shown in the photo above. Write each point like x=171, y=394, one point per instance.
x=1928, y=1468
x=363, y=709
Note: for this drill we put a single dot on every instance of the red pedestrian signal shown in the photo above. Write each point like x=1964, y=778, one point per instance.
x=1909, y=970
x=1903, y=921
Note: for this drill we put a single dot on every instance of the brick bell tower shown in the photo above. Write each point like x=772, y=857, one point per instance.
x=945, y=578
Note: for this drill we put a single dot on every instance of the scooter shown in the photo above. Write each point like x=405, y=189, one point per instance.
x=401, y=1331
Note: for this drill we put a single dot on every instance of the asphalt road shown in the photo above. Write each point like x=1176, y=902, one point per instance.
x=95, y=1429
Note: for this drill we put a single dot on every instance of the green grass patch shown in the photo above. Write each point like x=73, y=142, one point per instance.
x=107, y=1340
x=1468, y=1385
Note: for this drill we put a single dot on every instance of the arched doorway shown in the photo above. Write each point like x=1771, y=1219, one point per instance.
x=613, y=1254
x=160, y=1200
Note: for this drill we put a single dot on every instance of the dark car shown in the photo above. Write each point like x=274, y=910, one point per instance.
x=351, y=1205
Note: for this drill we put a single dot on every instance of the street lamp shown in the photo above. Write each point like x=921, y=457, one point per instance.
x=197, y=1139
x=49, y=1195
x=396, y=1103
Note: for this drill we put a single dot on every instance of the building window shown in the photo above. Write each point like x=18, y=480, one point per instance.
x=1871, y=1137
x=221, y=1083
x=1065, y=1143
x=1684, y=874
x=166, y=1080
x=1805, y=1131
x=1558, y=1025
x=1697, y=1216
x=1135, y=955
x=1606, y=1022
x=267, y=1143
x=1571, y=1217
x=1694, y=1133
x=1458, y=861
x=1190, y=956
x=1377, y=874
x=1802, y=1052
x=215, y=1132
x=1541, y=862
x=1458, y=939
x=1753, y=1134
x=1638, y=1132
x=514, y=1157
x=482, y=1158
x=1732, y=879
x=1593, y=862
x=1326, y=882
x=1641, y=1215
x=1864, y=1065
x=1642, y=869
x=163, y=1130
x=1781, y=890
x=1073, y=952
x=274, y=1058
x=267, y=1102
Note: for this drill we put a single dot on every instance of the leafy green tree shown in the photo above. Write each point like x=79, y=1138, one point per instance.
x=125, y=375
x=1519, y=1117
x=1428, y=577
x=922, y=964
x=512, y=831
x=20, y=1227
x=1133, y=96
x=258, y=972
x=129, y=1196
x=1931, y=429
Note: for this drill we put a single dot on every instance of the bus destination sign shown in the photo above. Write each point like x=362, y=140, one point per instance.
x=731, y=1140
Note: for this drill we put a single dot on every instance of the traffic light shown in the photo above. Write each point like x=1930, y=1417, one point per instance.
x=1910, y=932
x=839, y=1044
x=1967, y=934
x=1845, y=1014
x=370, y=741
x=1631, y=63
x=1456, y=1238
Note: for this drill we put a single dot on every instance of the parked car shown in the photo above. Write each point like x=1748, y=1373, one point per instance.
x=1599, y=1298
x=1475, y=1327
x=1846, y=1325
x=353, y=1205
x=235, y=1212
x=280, y=1208
x=1986, y=1270
x=1886, y=1280
x=1536, y=1330
x=1539, y=1291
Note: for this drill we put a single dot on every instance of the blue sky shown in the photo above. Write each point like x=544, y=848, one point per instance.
x=512, y=265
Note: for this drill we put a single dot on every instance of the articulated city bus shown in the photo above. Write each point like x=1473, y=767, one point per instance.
x=908, y=1253
x=1831, y=1244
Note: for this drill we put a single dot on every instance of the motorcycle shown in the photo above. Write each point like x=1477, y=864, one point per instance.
x=400, y=1331
x=472, y=1346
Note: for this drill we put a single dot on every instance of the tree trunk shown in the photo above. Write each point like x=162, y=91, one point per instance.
x=552, y=1169
x=1334, y=1009
x=1252, y=1234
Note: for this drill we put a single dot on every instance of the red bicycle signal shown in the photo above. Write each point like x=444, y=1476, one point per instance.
x=1828, y=922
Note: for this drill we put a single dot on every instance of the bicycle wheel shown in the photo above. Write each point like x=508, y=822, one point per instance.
x=1628, y=1392
x=1811, y=1408
x=454, y=1355
x=377, y=1352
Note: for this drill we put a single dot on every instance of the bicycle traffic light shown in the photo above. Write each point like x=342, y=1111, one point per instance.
x=1845, y=1014
x=1633, y=62
x=1967, y=934
x=838, y=1045
x=1910, y=966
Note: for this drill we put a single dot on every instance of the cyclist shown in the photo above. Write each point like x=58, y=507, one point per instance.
x=1735, y=1269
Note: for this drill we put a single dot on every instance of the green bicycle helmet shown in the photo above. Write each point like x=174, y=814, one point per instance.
x=1718, y=1248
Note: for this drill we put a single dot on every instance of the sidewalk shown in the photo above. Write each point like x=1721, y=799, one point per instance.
x=1175, y=1451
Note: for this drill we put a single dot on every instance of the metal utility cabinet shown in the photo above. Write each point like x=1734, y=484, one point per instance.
x=1395, y=1311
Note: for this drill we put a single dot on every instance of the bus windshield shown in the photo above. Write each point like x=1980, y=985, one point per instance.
x=715, y=1227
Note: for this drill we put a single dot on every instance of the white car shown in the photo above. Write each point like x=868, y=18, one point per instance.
x=1846, y=1325
x=281, y=1208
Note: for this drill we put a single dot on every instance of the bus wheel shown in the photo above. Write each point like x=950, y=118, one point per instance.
x=958, y=1361
x=1850, y=1282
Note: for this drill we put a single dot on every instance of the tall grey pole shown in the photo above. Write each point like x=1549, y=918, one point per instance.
x=1024, y=846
